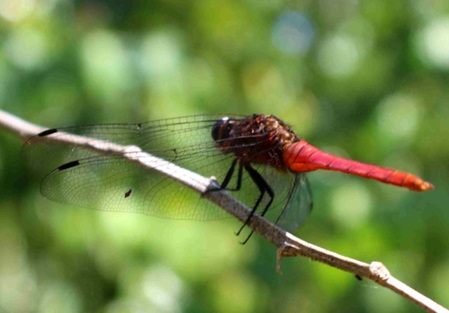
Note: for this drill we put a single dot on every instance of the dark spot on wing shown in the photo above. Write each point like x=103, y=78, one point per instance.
x=128, y=193
x=47, y=132
x=68, y=165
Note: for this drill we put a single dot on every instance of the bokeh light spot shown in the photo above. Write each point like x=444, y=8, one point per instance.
x=351, y=204
x=27, y=48
x=163, y=289
x=338, y=56
x=106, y=64
x=398, y=116
x=16, y=10
x=161, y=55
x=433, y=43
x=293, y=33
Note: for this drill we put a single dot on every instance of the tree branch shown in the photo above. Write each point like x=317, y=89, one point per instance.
x=286, y=243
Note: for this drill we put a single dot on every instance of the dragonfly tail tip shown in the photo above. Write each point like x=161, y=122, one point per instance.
x=427, y=186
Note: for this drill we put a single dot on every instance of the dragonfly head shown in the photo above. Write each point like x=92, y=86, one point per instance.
x=221, y=129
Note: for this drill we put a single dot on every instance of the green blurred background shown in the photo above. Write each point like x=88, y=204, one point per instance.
x=363, y=79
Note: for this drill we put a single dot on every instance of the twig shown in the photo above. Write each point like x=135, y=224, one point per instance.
x=286, y=243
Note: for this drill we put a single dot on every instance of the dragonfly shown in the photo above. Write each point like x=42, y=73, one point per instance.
x=258, y=158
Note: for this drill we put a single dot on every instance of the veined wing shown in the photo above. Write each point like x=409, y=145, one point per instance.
x=85, y=178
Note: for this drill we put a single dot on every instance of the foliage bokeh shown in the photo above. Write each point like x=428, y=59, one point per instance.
x=362, y=79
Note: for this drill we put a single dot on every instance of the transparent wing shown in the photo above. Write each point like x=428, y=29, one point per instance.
x=298, y=204
x=85, y=178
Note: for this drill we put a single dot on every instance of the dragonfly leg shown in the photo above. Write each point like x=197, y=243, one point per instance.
x=229, y=175
x=263, y=187
x=261, y=184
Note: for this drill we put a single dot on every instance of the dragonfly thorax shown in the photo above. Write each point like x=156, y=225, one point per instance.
x=255, y=139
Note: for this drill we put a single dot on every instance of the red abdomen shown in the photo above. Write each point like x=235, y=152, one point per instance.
x=303, y=157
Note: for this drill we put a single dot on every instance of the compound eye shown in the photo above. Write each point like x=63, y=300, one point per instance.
x=221, y=129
